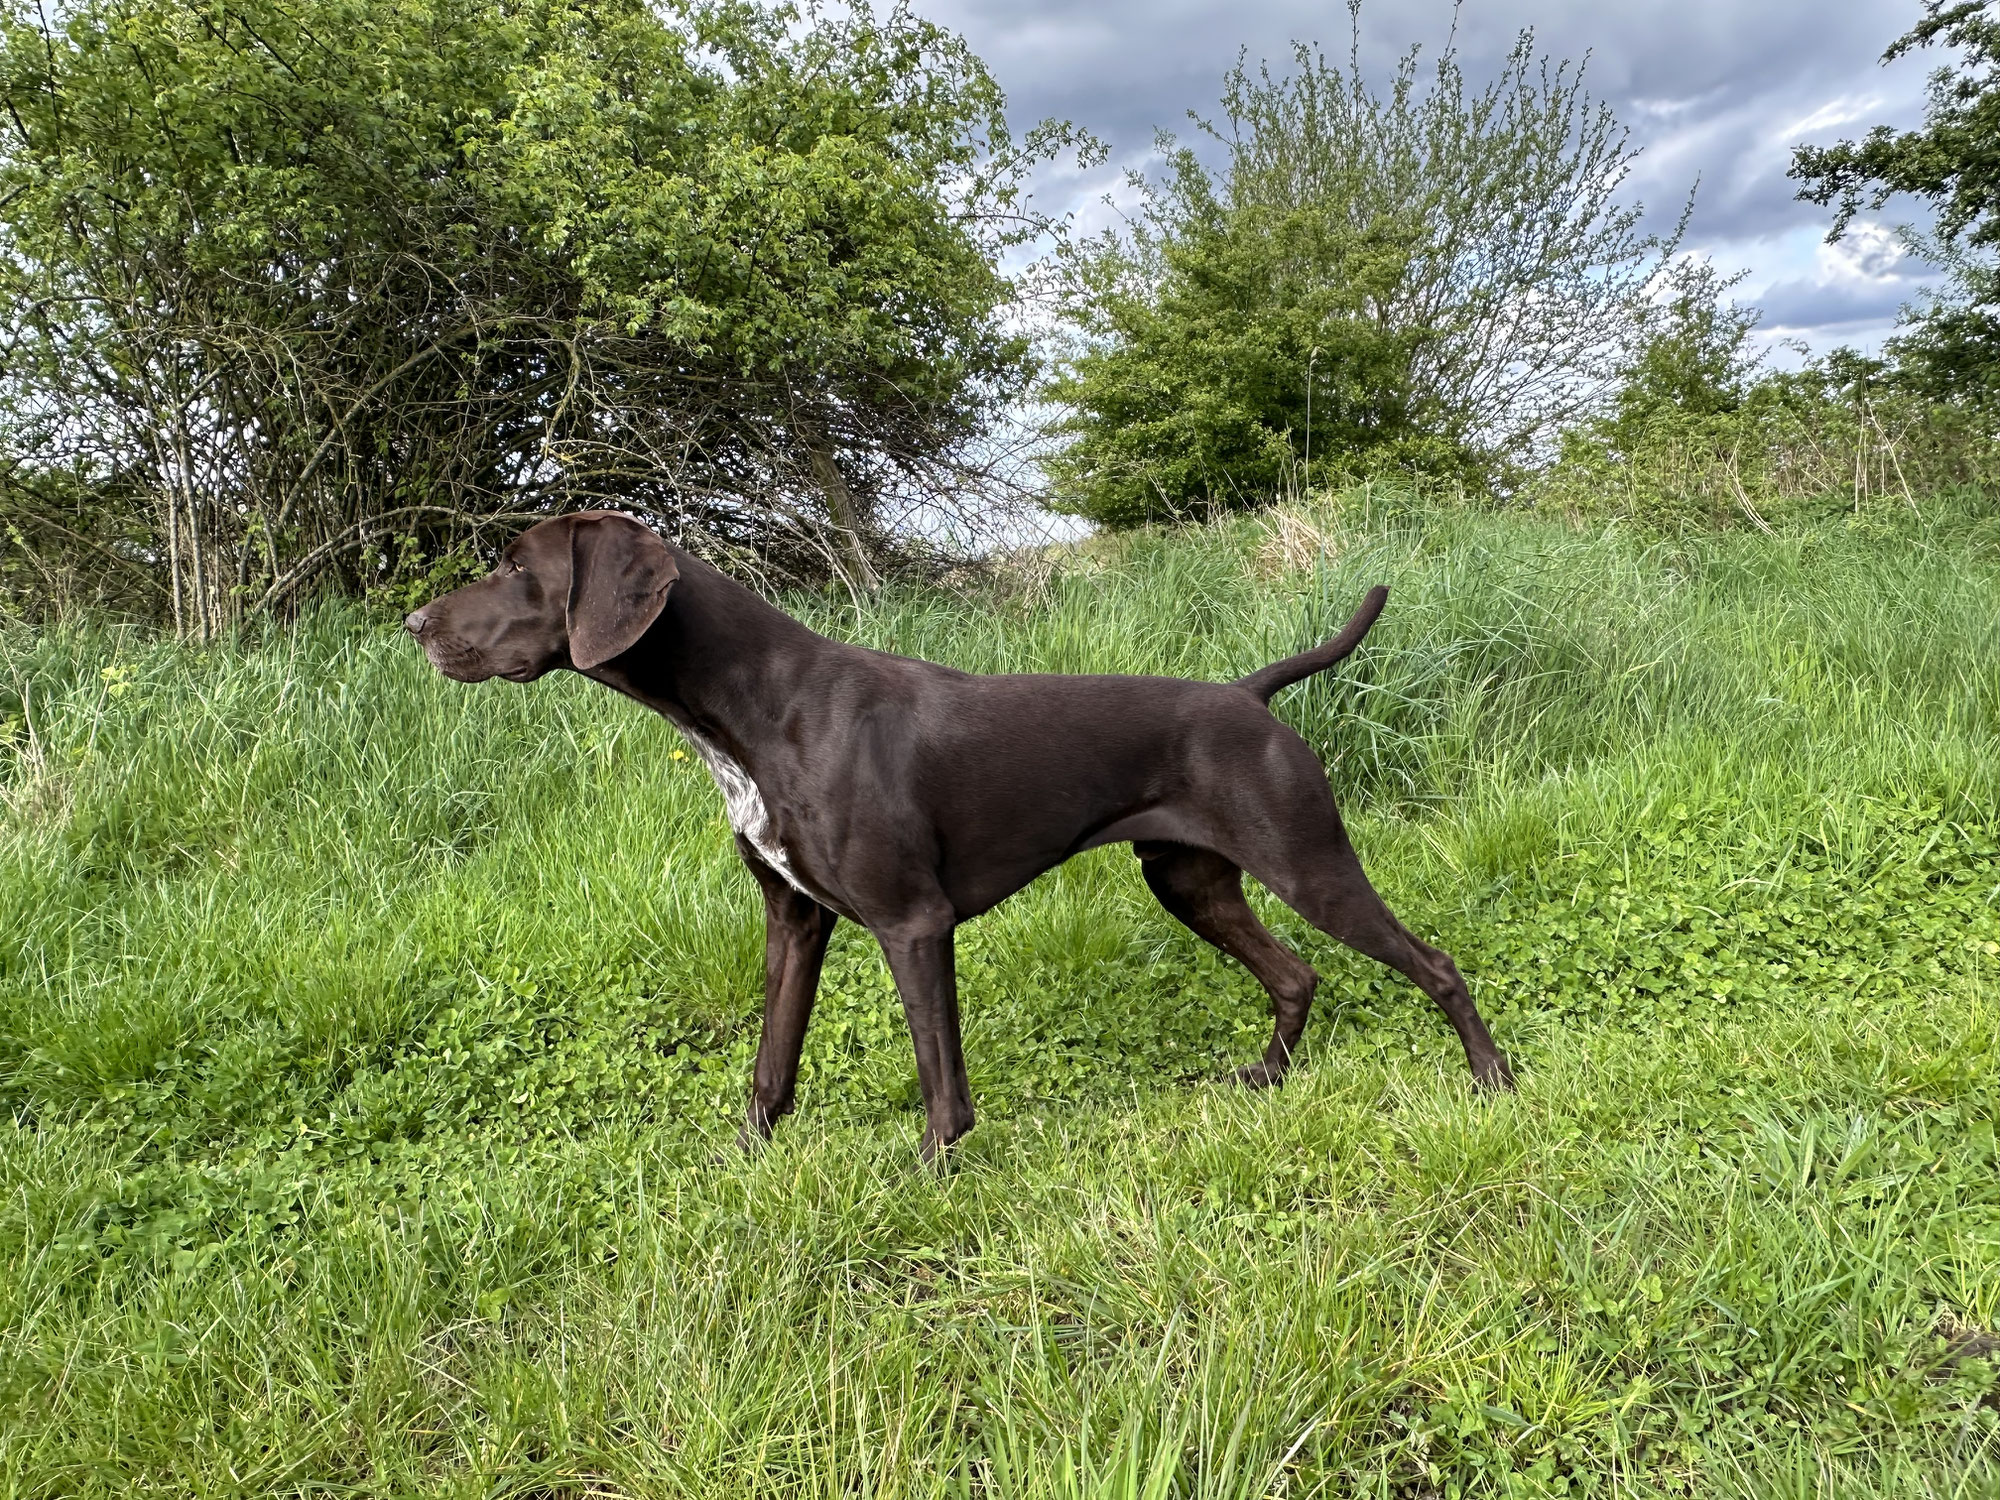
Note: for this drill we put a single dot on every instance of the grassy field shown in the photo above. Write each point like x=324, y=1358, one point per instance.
x=371, y=1049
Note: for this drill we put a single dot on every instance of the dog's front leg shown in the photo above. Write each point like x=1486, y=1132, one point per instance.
x=796, y=931
x=921, y=959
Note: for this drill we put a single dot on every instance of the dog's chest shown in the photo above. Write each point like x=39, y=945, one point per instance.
x=745, y=805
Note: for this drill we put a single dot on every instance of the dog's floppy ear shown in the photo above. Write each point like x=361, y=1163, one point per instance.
x=619, y=574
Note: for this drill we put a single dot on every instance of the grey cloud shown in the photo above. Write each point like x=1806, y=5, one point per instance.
x=1802, y=305
x=1714, y=89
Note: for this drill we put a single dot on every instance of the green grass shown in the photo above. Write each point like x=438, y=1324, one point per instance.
x=371, y=1047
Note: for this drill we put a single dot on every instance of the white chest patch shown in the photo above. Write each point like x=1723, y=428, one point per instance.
x=745, y=806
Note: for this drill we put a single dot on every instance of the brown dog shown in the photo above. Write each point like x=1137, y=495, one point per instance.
x=910, y=797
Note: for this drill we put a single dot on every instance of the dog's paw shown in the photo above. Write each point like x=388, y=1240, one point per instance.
x=937, y=1148
x=1493, y=1077
x=756, y=1132
x=1259, y=1075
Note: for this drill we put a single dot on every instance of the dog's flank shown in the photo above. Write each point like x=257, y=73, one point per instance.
x=1268, y=682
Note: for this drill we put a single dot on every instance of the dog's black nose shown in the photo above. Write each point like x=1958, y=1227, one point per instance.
x=416, y=621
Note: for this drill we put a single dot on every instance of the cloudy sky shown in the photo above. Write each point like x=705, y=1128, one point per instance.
x=1719, y=90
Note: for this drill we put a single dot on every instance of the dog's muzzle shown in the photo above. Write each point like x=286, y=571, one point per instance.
x=447, y=653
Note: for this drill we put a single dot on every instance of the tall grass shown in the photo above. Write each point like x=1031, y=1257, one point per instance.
x=372, y=1044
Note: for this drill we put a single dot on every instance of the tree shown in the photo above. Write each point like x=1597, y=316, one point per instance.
x=1952, y=346
x=1953, y=162
x=290, y=280
x=1694, y=362
x=1196, y=394
x=1427, y=280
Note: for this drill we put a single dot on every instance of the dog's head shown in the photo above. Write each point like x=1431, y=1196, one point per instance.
x=572, y=592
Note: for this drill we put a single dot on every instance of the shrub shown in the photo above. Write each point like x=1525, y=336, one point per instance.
x=1416, y=281
x=1699, y=435
x=293, y=281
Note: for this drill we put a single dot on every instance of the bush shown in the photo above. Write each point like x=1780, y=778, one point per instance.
x=1801, y=445
x=1699, y=438
x=1423, y=281
x=295, y=281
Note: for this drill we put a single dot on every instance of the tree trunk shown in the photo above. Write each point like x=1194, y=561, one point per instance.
x=841, y=505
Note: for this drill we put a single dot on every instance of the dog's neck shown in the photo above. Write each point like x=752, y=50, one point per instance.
x=719, y=661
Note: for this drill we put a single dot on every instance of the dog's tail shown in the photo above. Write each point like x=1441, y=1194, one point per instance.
x=1266, y=681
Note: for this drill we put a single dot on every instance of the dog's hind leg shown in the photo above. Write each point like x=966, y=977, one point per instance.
x=1327, y=887
x=1204, y=892
x=796, y=931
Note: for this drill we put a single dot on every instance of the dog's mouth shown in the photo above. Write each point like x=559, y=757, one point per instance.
x=455, y=659
x=462, y=663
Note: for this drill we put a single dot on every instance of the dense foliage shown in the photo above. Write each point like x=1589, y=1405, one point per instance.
x=1418, y=280
x=371, y=1047
x=1953, y=161
x=1700, y=433
x=287, y=281
x=1951, y=350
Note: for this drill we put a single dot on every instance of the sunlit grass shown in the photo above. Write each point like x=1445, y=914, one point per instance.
x=373, y=1045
